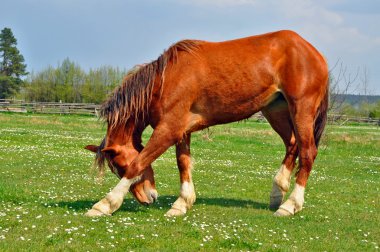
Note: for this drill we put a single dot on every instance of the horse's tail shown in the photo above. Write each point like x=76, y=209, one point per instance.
x=321, y=116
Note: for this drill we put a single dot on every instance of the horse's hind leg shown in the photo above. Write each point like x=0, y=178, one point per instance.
x=303, y=115
x=277, y=114
x=187, y=195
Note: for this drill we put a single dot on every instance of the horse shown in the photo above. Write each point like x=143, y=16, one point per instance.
x=196, y=84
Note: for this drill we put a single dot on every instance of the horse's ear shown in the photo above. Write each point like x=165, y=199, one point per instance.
x=113, y=150
x=93, y=148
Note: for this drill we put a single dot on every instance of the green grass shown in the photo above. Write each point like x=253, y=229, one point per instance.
x=46, y=185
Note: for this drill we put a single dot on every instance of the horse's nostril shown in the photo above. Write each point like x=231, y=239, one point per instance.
x=145, y=203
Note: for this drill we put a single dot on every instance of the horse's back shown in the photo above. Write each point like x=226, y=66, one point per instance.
x=275, y=49
x=231, y=80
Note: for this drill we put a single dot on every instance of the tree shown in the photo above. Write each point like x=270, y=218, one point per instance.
x=12, y=66
x=340, y=86
x=69, y=83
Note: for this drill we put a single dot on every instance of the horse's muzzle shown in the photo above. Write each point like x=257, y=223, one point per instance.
x=152, y=196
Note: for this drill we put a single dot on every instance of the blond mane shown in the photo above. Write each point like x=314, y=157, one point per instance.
x=133, y=97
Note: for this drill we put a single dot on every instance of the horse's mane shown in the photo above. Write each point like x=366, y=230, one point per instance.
x=132, y=98
x=100, y=158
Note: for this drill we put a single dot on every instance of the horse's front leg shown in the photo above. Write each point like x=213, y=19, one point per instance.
x=113, y=199
x=187, y=194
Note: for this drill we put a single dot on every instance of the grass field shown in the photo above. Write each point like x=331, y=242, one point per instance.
x=46, y=185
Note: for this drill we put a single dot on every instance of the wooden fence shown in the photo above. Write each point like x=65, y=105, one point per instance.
x=335, y=119
x=342, y=119
x=49, y=107
x=92, y=109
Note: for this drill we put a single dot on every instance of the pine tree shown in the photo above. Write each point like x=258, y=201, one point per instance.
x=12, y=66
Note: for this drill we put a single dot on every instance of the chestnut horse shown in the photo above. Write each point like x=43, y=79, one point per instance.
x=197, y=84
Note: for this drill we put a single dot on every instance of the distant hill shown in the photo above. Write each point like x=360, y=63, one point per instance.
x=356, y=100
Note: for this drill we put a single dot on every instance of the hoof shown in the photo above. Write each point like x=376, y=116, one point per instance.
x=275, y=202
x=94, y=213
x=175, y=212
x=282, y=212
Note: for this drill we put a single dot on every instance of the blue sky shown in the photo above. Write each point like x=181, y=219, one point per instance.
x=124, y=33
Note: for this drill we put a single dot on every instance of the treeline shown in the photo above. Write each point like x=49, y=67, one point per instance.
x=68, y=82
x=369, y=109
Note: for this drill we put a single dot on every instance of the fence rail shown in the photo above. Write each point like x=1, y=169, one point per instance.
x=92, y=109
x=49, y=107
x=342, y=119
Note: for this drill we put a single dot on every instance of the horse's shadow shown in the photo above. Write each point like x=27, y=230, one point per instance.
x=165, y=201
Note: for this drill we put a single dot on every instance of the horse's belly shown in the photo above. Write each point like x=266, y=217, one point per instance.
x=232, y=113
x=218, y=109
x=213, y=113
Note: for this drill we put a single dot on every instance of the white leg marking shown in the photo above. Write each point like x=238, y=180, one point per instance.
x=113, y=199
x=187, y=191
x=185, y=201
x=281, y=184
x=282, y=178
x=294, y=203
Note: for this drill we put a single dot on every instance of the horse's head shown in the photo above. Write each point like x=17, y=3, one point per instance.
x=123, y=143
x=119, y=149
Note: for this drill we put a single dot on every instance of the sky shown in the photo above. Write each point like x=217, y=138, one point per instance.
x=123, y=33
